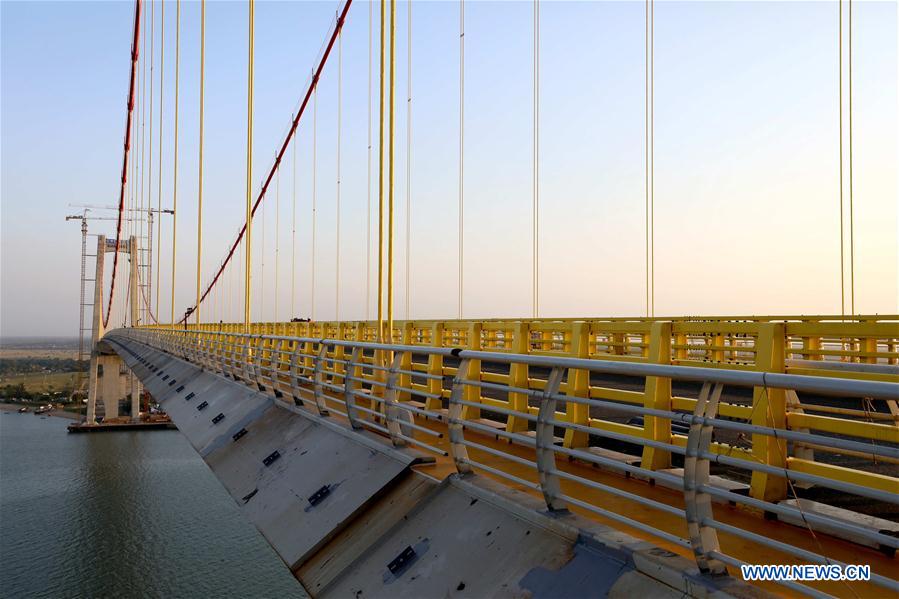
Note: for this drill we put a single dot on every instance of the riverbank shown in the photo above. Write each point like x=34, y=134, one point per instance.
x=58, y=412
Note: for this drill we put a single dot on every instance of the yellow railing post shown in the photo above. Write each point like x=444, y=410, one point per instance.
x=518, y=377
x=657, y=396
x=435, y=368
x=405, y=380
x=810, y=345
x=680, y=339
x=769, y=408
x=473, y=394
x=870, y=345
x=618, y=339
x=578, y=386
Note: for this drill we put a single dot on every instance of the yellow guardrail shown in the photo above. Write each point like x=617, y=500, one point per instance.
x=862, y=348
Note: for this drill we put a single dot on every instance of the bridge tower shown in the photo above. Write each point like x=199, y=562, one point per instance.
x=110, y=380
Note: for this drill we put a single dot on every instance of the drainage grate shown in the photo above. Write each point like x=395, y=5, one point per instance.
x=401, y=560
x=179, y=389
x=218, y=418
x=319, y=495
x=271, y=458
x=239, y=434
x=189, y=396
x=202, y=405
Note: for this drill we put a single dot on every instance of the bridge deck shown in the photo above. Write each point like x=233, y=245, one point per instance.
x=741, y=516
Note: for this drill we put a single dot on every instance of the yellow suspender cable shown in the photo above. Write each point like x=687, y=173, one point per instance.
x=535, y=282
x=368, y=188
x=159, y=181
x=408, y=158
x=391, y=172
x=652, y=156
x=293, y=233
x=200, y=160
x=381, y=178
x=646, y=146
x=851, y=207
x=143, y=156
x=249, y=216
x=314, y=158
x=175, y=163
x=408, y=161
x=461, y=147
x=277, y=235
x=149, y=270
x=842, y=226
x=262, y=241
x=339, y=115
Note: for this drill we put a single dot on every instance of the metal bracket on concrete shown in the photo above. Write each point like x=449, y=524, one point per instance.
x=391, y=409
x=350, y=385
x=546, y=457
x=698, y=504
x=454, y=420
x=318, y=378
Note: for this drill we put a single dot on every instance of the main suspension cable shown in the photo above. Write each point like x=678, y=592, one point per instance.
x=130, y=109
x=290, y=134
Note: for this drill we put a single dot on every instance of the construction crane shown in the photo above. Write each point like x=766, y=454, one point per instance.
x=149, y=250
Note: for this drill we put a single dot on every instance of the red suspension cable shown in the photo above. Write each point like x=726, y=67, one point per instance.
x=296, y=121
x=134, y=56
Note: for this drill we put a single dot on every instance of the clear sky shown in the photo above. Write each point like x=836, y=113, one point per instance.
x=746, y=156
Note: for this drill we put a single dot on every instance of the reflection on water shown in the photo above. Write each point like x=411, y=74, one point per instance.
x=122, y=514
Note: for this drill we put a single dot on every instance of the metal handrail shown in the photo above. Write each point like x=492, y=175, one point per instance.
x=262, y=358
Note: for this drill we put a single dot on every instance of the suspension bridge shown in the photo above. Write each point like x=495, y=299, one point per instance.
x=468, y=456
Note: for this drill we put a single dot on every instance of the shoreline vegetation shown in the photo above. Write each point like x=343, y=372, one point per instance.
x=41, y=370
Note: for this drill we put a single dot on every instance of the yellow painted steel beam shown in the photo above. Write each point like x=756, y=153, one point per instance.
x=883, y=433
x=847, y=475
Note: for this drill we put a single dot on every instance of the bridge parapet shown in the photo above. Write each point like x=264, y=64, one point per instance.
x=419, y=395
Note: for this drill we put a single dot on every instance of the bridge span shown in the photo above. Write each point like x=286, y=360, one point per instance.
x=361, y=463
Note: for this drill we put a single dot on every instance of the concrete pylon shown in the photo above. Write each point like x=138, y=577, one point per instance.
x=109, y=380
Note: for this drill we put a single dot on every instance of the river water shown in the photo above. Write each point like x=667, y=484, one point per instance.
x=124, y=514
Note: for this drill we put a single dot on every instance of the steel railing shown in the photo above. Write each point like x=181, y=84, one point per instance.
x=384, y=388
x=861, y=347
